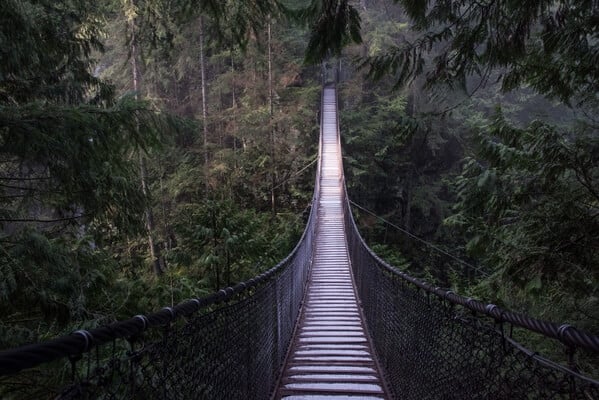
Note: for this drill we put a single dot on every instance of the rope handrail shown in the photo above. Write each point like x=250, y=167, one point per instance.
x=82, y=341
x=431, y=350
x=247, y=327
x=565, y=333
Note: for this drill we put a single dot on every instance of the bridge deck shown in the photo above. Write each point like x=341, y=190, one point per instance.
x=331, y=357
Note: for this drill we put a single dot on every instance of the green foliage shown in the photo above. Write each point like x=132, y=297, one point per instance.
x=76, y=160
x=549, y=45
x=374, y=136
x=390, y=255
x=334, y=25
x=53, y=281
x=43, y=60
x=66, y=174
x=528, y=201
x=226, y=243
x=233, y=186
x=396, y=166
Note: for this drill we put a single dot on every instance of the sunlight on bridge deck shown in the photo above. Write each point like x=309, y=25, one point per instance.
x=331, y=355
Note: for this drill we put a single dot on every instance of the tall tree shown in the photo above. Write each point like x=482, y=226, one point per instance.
x=528, y=200
x=203, y=86
x=550, y=45
x=271, y=109
x=131, y=11
x=65, y=171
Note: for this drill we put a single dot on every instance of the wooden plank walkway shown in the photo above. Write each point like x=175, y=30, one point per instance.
x=331, y=356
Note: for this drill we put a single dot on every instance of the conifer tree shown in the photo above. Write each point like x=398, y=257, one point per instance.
x=65, y=172
x=550, y=45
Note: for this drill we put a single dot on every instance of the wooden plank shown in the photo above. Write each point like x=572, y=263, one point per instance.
x=331, y=356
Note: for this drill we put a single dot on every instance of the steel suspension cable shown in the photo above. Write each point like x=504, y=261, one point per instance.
x=417, y=238
x=305, y=167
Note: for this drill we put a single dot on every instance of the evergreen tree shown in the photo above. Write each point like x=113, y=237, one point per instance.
x=527, y=199
x=550, y=45
x=65, y=172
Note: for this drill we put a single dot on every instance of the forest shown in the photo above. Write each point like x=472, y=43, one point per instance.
x=157, y=150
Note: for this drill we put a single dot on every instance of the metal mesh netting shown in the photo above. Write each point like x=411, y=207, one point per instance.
x=230, y=345
x=432, y=347
x=230, y=350
x=234, y=351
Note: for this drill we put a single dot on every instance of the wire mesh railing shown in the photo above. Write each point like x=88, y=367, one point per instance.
x=431, y=343
x=229, y=345
x=435, y=344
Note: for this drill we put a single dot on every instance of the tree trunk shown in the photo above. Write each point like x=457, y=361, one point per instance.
x=228, y=270
x=233, y=95
x=215, y=250
x=155, y=254
x=271, y=124
x=234, y=110
x=204, y=113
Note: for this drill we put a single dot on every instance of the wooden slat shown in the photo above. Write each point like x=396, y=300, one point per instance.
x=331, y=357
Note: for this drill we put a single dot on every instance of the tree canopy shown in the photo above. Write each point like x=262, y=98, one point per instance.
x=551, y=45
x=65, y=142
x=185, y=131
x=75, y=201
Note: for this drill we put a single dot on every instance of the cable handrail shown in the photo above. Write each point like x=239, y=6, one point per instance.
x=419, y=239
x=232, y=343
x=73, y=345
x=565, y=333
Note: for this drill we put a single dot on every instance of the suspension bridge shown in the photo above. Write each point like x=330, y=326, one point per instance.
x=330, y=321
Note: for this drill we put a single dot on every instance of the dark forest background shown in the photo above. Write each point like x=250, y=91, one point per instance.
x=153, y=151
